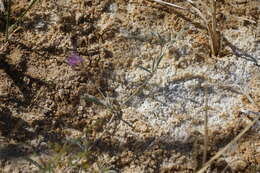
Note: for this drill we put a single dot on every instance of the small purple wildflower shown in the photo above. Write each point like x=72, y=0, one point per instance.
x=74, y=59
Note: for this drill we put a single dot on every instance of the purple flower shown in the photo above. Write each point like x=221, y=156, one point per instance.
x=74, y=59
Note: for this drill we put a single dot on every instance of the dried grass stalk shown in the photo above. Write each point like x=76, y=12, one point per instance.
x=211, y=25
x=215, y=41
x=204, y=168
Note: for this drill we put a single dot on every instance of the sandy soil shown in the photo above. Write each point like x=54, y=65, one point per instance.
x=45, y=116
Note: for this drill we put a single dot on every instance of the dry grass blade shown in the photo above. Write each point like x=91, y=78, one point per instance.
x=213, y=8
x=206, y=129
x=201, y=15
x=170, y=4
x=243, y=19
x=204, y=168
x=198, y=12
x=214, y=36
x=227, y=146
x=215, y=41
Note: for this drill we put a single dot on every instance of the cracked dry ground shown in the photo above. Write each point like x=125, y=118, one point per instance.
x=43, y=113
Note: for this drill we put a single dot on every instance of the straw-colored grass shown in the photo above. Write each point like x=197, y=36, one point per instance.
x=211, y=25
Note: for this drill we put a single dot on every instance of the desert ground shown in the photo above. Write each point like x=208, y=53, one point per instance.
x=147, y=92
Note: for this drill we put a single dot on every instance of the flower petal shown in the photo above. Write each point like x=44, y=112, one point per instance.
x=74, y=59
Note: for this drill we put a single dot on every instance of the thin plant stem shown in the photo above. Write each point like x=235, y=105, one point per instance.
x=219, y=153
x=205, y=129
x=7, y=20
x=204, y=168
x=214, y=23
x=170, y=4
x=214, y=37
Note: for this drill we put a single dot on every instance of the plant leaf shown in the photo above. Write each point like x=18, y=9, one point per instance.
x=159, y=60
x=34, y=163
x=145, y=69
